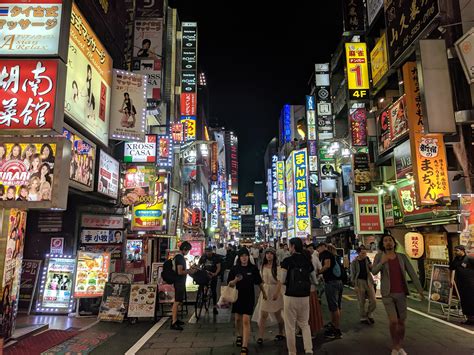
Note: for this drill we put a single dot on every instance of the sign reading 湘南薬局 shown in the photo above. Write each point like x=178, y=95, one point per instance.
x=30, y=95
x=141, y=152
x=89, y=79
x=128, y=106
x=369, y=216
x=427, y=150
x=33, y=28
x=357, y=70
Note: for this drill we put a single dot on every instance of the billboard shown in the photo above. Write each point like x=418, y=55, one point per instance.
x=32, y=93
x=290, y=193
x=91, y=274
x=150, y=215
x=379, y=59
x=89, y=79
x=165, y=151
x=357, y=70
x=428, y=152
x=358, y=122
x=138, y=152
x=301, y=187
x=108, y=175
x=368, y=216
x=33, y=28
x=33, y=172
x=128, y=106
x=82, y=165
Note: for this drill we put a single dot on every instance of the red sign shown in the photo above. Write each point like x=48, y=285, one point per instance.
x=196, y=219
x=188, y=104
x=369, y=219
x=28, y=90
x=358, y=120
x=214, y=163
x=177, y=132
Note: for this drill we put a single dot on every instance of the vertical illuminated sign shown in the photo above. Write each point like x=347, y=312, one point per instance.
x=301, y=193
x=290, y=199
x=280, y=173
x=357, y=70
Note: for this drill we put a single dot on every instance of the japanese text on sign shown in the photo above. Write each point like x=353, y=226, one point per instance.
x=302, y=215
x=357, y=70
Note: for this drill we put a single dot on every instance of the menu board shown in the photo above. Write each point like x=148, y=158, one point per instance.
x=439, y=284
x=92, y=274
x=114, y=302
x=142, y=301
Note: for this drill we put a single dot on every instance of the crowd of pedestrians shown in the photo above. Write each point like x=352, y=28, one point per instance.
x=293, y=279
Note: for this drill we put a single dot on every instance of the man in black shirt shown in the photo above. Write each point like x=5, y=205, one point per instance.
x=211, y=262
x=180, y=283
x=363, y=282
x=297, y=270
x=463, y=265
x=333, y=287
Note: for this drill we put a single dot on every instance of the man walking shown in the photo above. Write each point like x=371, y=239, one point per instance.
x=463, y=265
x=333, y=274
x=363, y=282
x=180, y=283
x=296, y=270
x=394, y=288
x=212, y=264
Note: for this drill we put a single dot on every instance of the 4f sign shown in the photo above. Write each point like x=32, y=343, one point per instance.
x=357, y=70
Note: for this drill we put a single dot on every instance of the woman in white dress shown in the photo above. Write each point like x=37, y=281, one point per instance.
x=274, y=300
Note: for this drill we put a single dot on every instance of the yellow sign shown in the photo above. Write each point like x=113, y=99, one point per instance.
x=427, y=150
x=189, y=124
x=379, y=59
x=357, y=70
x=150, y=215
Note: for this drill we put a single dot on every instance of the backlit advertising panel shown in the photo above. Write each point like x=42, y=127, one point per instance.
x=32, y=28
x=148, y=38
x=141, y=152
x=108, y=175
x=32, y=95
x=89, y=79
x=302, y=208
x=55, y=294
x=379, y=59
x=91, y=274
x=128, y=106
x=290, y=193
x=83, y=155
x=357, y=70
x=369, y=216
x=33, y=172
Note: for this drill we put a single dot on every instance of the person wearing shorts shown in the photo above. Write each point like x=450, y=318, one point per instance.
x=394, y=288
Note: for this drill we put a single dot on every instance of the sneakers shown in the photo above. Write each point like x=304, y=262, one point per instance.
x=371, y=320
x=176, y=326
x=215, y=311
x=333, y=334
x=398, y=352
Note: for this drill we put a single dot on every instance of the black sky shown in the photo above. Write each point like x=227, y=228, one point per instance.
x=257, y=56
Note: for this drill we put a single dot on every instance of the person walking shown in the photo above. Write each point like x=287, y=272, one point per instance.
x=363, y=282
x=333, y=273
x=212, y=264
x=296, y=270
x=244, y=275
x=274, y=301
x=463, y=266
x=180, y=283
x=394, y=288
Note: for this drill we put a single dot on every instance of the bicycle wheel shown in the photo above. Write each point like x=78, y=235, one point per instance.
x=208, y=298
x=199, y=303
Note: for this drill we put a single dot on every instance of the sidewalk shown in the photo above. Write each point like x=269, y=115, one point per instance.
x=215, y=336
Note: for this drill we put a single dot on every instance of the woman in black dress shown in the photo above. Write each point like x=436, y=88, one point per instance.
x=244, y=275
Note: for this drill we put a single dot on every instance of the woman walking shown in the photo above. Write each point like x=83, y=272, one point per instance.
x=274, y=302
x=244, y=275
x=315, y=314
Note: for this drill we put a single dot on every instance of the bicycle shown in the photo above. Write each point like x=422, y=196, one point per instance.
x=204, y=294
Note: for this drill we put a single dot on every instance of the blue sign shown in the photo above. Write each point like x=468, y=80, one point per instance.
x=310, y=103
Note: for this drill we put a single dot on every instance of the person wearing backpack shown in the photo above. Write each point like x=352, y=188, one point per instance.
x=296, y=270
x=333, y=274
x=180, y=283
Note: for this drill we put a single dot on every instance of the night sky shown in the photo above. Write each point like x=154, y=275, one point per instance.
x=256, y=59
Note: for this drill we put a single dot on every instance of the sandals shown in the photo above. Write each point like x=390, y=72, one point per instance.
x=279, y=337
x=244, y=350
x=238, y=341
x=259, y=341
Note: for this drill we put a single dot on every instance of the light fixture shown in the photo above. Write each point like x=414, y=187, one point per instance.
x=382, y=99
x=391, y=188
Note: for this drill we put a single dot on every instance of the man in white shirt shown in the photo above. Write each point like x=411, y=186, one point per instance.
x=221, y=250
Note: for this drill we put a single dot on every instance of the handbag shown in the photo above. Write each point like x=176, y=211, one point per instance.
x=228, y=294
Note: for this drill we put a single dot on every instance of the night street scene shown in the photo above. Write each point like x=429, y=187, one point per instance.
x=236, y=177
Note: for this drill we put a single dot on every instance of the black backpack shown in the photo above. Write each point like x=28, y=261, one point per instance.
x=298, y=282
x=169, y=275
